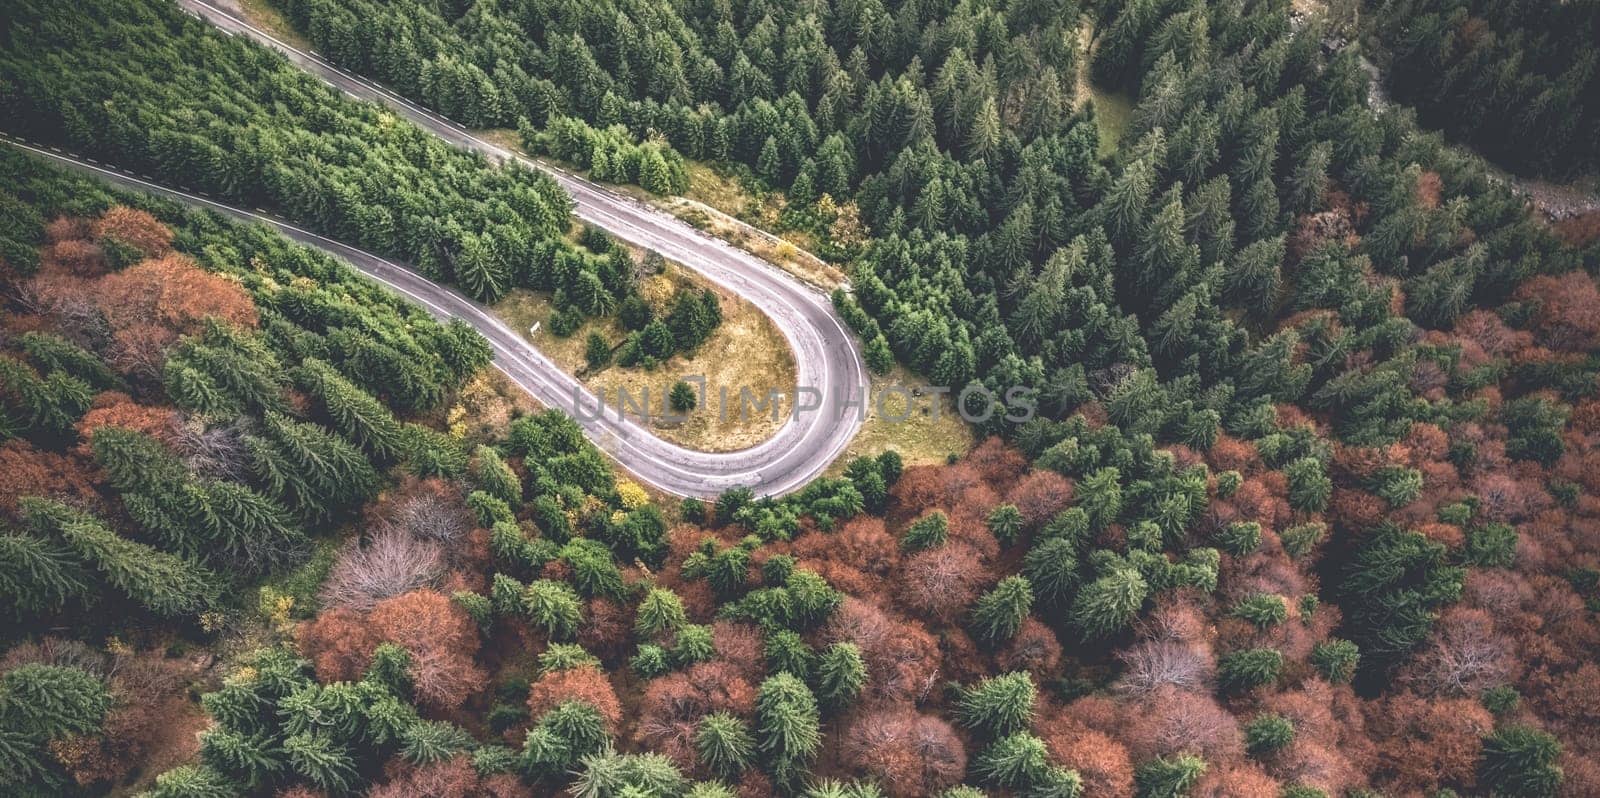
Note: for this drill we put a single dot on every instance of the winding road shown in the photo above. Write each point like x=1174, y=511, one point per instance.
x=827, y=357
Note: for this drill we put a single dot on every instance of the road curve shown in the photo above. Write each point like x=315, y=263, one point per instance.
x=827, y=356
x=778, y=466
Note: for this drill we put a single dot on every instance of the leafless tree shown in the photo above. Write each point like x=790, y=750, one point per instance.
x=431, y=516
x=1465, y=656
x=213, y=450
x=390, y=564
x=1150, y=665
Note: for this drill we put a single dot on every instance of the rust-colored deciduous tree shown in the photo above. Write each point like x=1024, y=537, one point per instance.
x=1464, y=655
x=1567, y=310
x=117, y=409
x=442, y=641
x=1040, y=495
x=902, y=658
x=339, y=644
x=1034, y=649
x=607, y=629
x=942, y=582
x=1236, y=781
x=673, y=705
x=906, y=753
x=134, y=229
x=452, y=778
x=997, y=463
x=74, y=256
x=587, y=684
x=1101, y=761
x=1427, y=744
x=28, y=471
x=740, y=645
x=1170, y=721
x=174, y=292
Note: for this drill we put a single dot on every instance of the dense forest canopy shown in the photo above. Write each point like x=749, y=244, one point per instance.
x=229, y=118
x=1516, y=79
x=1309, y=508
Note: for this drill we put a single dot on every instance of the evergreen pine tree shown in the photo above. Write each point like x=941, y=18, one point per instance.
x=998, y=614
x=841, y=673
x=999, y=705
x=787, y=721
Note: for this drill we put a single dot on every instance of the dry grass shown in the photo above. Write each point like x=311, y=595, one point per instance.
x=745, y=350
x=920, y=439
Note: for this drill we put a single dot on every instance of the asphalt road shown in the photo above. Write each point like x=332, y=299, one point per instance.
x=800, y=450
x=827, y=356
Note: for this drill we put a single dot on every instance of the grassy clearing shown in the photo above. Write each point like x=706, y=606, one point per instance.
x=745, y=350
x=262, y=14
x=1112, y=109
x=920, y=438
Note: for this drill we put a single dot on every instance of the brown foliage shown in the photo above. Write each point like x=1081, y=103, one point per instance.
x=1170, y=721
x=427, y=509
x=149, y=703
x=902, y=658
x=1567, y=315
x=1236, y=781
x=1579, y=231
x=174, y=292
x=1425, y=744
x=587, y=684
x=1429, y=189
x=856, y=559
x=1034, y=649
x=65, y=228
x=607, y=629
x=1464, y=656
x=116, y=409
x=339, y=644
x=1575, y=695
x=942, y=582
x=1040, y=495
x=919, y=489
x=998, y=463
x=75, y=257
x=1232, y=454
x=755, y=784
x=740, y=645
x=134, y=228
x=452, y=778
x=442, y=641
x=1312, y=230
x=29, y=471
x=674, y=704
x=1101, y=761
x=505, y=785
x=906, y=753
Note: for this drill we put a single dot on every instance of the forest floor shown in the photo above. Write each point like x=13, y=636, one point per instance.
x=1112, y=109
x=1556, y=200
x=747, y=349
